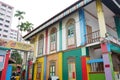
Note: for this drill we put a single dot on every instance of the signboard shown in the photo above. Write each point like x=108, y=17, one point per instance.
x=16, y=45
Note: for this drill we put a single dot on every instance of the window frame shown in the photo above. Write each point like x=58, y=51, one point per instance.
x=41, y=46
x=53, y=39
x=51, y=66
x=71, y=60
x=70, y=25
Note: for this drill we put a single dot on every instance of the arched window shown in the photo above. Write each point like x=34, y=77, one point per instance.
x=71, y=33
x=53, y=38
x=71, y=69
x=41, y=44
x=52, y=68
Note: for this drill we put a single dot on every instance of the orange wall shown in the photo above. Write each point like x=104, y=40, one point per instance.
x=52, y=57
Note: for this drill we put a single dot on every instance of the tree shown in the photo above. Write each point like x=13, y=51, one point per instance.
x=28, y=26
x=21, y=27
x=19, y=15
x=16, y=56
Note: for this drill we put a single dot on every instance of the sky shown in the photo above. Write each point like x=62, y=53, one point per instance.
x=37, y=11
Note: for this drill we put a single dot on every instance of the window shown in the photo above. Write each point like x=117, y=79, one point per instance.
x=53, y=38
x=2, y=14
x=8, y=16
x=3, y=5
x=5, y=36
x=71, y=69
x=6, y=26
x=52, y=68
x=1, y=19
x=2, y=9
x=0, y=29
x=5, y=30
x=41, y=44
x=10, y=8
x=9, y=11
x=70, y=33
x=1, y=24
x=7, y=21
x=39, y=70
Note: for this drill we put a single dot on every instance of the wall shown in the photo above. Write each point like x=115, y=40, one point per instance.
x=49, y=29
x=95, y=53
x=75, y=16
x=52, y=57
x=72, y=53
x=39, y=60
x=98, y=76
x=38, y=35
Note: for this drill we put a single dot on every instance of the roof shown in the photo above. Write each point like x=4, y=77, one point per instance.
x=58, y=17
x=80, y=3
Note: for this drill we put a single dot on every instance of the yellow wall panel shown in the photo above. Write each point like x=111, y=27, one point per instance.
x=39, y=60
x=60, y=65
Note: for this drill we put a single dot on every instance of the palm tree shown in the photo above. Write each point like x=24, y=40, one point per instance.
x=19, y=15
x=28, y=26
x=21, y=27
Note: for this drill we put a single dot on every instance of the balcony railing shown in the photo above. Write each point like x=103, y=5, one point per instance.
x=93, y=37
x=96, y=65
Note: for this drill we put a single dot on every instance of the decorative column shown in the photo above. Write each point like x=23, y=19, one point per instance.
x=101, y=19
x=46, y=41
x=45, y=67
x=60, y=35
x=108, y=68
x=84, y=58
x=85, y=68
x=117, y=23
x=82, y=26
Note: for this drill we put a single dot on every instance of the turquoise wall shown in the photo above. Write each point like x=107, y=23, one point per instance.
x=76, y=53
x=117, y=22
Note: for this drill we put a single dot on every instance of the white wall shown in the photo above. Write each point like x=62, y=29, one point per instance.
x=57, y=27
x=91, y=21
x=43, y=32
x=75, y=16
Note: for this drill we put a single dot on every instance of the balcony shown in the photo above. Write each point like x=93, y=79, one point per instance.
x=93, y=37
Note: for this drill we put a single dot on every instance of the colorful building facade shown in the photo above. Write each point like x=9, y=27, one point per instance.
x=79, y=43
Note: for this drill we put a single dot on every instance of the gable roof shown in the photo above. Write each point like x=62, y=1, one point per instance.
x=112, y=4
x=57, y=17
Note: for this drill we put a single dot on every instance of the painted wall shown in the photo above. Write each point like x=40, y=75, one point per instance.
x=38, y=35
x=57, y=57
x=98, y=76
x=93, y=20
x=49, y=29
x=75, y=16
x=39, y=60
x=95, y=53
x=72, y=53
x=34, y=42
